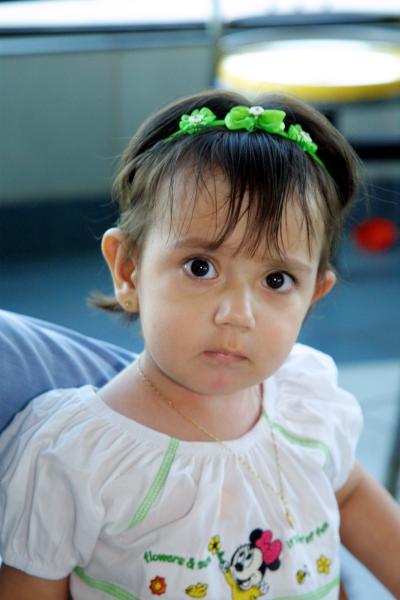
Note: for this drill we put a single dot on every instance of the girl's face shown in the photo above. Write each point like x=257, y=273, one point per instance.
x=219, y=321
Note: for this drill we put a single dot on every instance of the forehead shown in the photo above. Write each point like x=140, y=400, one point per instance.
x=202, y=209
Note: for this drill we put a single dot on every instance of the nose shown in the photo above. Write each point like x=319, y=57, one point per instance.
x=235, y=308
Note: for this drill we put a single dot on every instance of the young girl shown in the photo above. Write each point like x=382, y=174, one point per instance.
x=220, y=464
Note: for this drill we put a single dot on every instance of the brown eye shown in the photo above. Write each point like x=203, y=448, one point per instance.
x=279, y=281
x=200, y=268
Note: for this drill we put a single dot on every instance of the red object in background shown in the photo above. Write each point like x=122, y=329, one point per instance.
x=376, y=234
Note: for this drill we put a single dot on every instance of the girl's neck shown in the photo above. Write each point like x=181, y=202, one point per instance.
x=225, y=417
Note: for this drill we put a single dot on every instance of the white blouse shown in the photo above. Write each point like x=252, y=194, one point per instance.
x=134, y=514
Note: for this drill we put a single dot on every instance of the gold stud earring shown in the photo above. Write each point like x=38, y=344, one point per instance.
x=128, y=304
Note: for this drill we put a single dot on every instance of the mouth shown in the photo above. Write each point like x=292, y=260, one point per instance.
x=244, y=584
x=225, y=356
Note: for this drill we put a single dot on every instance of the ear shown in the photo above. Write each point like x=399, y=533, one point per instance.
x=123, y=268
x=325, y=283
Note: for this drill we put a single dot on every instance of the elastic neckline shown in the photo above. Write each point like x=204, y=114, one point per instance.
x=161, y=440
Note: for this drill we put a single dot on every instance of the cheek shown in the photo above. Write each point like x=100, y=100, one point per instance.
x=168, y=330
x=276, y=336
x=288, y=315
x=169, y=309
x=282, y=321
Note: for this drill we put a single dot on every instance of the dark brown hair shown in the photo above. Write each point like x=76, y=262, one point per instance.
x=270, y=170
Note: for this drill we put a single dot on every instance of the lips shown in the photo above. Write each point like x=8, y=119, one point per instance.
x=225, y=355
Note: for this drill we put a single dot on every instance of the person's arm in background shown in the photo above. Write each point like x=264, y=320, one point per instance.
x=36, y=356
x=370, y=527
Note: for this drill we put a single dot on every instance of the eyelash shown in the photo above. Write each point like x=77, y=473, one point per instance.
x=202, y=259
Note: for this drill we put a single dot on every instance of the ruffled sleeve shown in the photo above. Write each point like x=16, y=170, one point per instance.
x=50, y=492
x=312, y=405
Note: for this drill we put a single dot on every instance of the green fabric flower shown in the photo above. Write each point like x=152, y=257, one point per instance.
x=196, y=121
x=302, y=138
x=255, y=117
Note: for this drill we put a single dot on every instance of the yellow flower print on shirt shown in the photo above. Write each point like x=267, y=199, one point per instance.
x=215, y=544
x=324, y=564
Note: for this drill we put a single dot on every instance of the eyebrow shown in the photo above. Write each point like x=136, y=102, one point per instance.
x=291, y=262
x=278, y=262
x=195, y=242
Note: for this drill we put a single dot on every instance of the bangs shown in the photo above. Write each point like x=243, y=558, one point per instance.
x=264, y=175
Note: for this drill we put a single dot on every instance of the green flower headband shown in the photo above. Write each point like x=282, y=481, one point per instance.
x=248, y=118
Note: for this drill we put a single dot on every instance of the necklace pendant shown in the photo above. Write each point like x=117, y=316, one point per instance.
x=290, y=519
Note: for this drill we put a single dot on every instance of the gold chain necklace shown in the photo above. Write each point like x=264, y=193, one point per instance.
x=239, y=458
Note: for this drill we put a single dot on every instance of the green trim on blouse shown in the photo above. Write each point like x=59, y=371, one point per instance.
x=104, y=586
x=300, y=441
x=157, y=485
x=316, y=594
x=154, y=491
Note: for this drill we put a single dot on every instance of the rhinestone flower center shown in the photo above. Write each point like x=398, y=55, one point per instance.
x=256, y=110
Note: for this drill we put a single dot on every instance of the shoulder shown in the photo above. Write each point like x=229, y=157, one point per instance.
x=308, y=381
x=303, y=359
x=53, y=414
x=311, y=376
x=310, y=403
x=67, y=433
x=73, y=434
x=54, y=429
